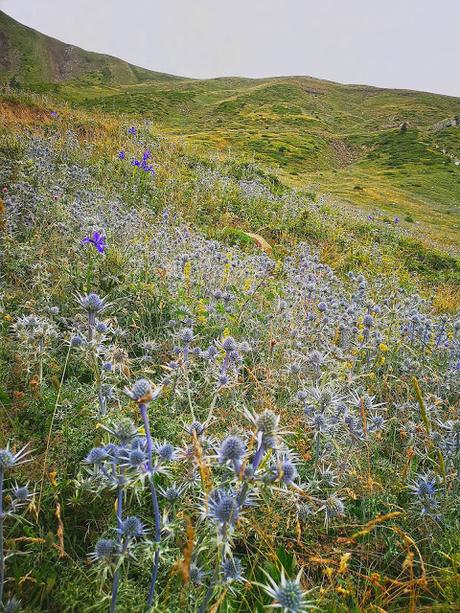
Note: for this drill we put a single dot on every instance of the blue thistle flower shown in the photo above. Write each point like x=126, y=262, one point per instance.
x=196, y=574
x=424, y=486
x=132, y=527
x=165, y=451
x=21, y=493
x=77, y=340
x=105, y=549
x=195, y=427
x=142, y=391
x=231, y=449
x=288, y=594
x=223, y=506
x=97, y=456
x=136, y=458
x=232, y=570
x=172, y=493
x=9, y=460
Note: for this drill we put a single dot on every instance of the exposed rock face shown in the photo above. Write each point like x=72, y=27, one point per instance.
x=451, y=122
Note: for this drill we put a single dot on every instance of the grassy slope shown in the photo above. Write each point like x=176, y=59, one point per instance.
x=47, y=264
x=341, y=139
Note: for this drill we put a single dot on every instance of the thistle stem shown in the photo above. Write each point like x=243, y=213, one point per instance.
x=2, y=555
x=116, y=576
x=156, y=507
x=215, y=578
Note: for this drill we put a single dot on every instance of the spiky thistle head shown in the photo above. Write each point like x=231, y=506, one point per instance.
x=424, y=486
x=172, y=493
x=196, y=574
x=132, y=527
x=105, y=549
x=229, y=344
x=165, y=451
x=195, y=427
x=92, y=303
x=288, y=594
x=232, y=570
x=223, y=507
x=9, y=460
x=136, y=457
x=21, y=493
x=267, y=422
x=124, y=430
x=97, y=456
x=142, y=392
x=231, y=449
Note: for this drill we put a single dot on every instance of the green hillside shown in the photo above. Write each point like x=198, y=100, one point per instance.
x=31, y=59
x=386, y=151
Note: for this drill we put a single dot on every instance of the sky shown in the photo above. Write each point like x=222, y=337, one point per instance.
x=410, y=44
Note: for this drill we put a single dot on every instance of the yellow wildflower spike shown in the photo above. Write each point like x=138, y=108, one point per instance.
x=343, y=564
x=52, y=477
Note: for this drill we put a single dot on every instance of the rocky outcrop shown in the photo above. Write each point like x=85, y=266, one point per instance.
x=451, y=122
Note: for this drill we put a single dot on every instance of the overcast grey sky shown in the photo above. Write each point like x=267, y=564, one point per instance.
x=411, y=44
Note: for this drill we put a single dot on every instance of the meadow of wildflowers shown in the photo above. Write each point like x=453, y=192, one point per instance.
x=191, y=422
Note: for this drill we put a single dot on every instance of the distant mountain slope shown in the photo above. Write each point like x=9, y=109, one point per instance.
x=393, y=153
x=30, y=57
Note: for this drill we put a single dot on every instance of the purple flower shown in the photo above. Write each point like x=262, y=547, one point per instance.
x=147, y=167
x=396, y=220
x=121, y=155
x=53, y=114
x=98, y=240
x=135, y=163
x=132, y=130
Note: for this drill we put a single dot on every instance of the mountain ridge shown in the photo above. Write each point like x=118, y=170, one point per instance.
x=6, y=20
x=58, y=58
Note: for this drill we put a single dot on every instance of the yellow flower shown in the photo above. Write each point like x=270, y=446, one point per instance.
x=343, y=566
x=384, y=347
x=187, y=270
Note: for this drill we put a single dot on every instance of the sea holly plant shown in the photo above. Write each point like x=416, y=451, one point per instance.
x=129, y=462
x=16, y=498
x=143, y=394
x=288, y=594
x=35, y=334
x=268, y=465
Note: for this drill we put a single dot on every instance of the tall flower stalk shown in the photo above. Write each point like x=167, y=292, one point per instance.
x=143, y=393
x=116, y=576
x=20, y=495
x=2, y=555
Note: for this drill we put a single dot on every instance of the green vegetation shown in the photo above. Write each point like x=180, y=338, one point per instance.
x=274, y=260
x=337, y=139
